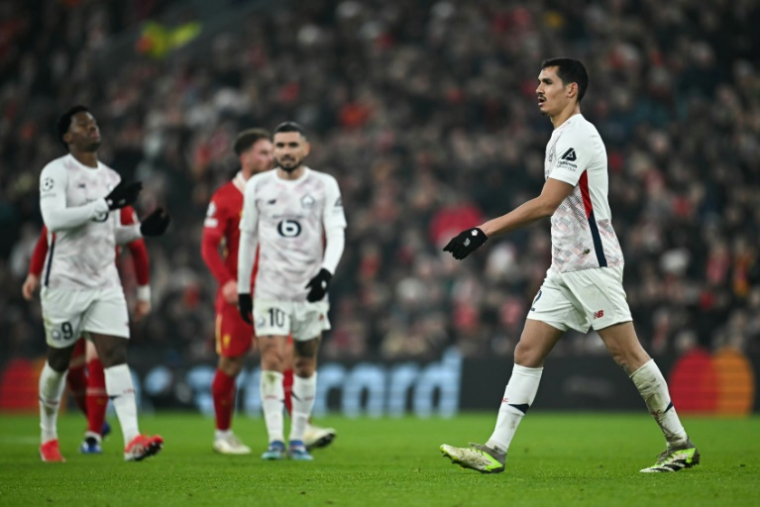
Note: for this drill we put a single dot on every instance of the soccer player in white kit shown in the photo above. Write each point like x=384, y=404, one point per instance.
x=81, y=290
x=583, y=287
x=289, y=213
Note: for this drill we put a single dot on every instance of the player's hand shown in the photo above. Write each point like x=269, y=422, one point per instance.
x=123, y=195
x=229, y=292
x=155, y=224
x=465, y=243
x=142, y=309
x=30, y=285
x=245, y=305
x=318, y=286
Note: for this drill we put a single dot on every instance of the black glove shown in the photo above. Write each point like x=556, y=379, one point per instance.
x=155, y=224
x=318, y=286
x=465, y=243
x=245, y=305
x=123, y=195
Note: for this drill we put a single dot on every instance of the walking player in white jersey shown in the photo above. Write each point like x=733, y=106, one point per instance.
x=81, y=290
x=289, y=213
x=583, y=287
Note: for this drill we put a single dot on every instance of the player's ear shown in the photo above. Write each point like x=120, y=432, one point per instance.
x=67, y=137
x=572, y=90
x=307, y=147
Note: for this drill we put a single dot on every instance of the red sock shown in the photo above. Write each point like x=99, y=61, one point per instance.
x=223, y=391
x=77, y=378
x=287, y=384
x=97, y=399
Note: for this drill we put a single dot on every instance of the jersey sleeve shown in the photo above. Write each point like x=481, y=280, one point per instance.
x=334, y=223
x=55, y=214
x=38, y=256
x=332, y=215
x=213, y=232
x=249, y=223
x=572, y=156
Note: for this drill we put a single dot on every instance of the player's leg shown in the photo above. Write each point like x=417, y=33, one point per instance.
x=601, y=293
x=234, y=337
x=107, y=321
x=61, y=312
x=97, y=403
x=272, y=321
x=551, y=314
x=52, y=383
x=304, y=393
x=314, y=437
x=77, y=377
x=272, y=349
x=626, y=350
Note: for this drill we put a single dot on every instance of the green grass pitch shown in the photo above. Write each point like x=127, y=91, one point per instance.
x=556, y=459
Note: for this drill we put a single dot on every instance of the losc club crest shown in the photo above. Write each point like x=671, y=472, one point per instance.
x=308, y=201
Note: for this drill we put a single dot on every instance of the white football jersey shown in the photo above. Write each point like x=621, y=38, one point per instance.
x=81, y=256
x=582, y=232
x=289, y=218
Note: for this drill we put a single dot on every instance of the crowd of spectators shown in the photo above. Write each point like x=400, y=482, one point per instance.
x=425, y=111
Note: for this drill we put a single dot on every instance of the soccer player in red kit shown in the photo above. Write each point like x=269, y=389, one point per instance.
x=86, y=379
x=234, y=336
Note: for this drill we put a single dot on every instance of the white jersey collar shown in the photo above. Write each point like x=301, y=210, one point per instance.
x=239, y=182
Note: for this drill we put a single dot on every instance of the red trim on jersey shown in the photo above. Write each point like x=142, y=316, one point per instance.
x=585, y=194
x=38, y=256
x=137, y=249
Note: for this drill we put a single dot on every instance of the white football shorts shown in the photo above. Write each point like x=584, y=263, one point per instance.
x=69, y=313
x=582, y=300
x=302, y=320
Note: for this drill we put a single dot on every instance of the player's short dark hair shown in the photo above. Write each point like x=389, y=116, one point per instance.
x=64, y=122
x=569, y=71
x=248, y=138
x=290, y=126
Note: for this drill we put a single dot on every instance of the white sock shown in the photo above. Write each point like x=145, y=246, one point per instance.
x=219, y=434
x=653, y=388
x=52, y=384
x=518, y=397
x=121, y=391
x=304, y=392
x=273, y=401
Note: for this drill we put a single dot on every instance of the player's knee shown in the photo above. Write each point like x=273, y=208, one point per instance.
x=304, y=366
x=114, y=356
x=272, y=359
x=231, y=366
x=58, y=362
x=528, y=355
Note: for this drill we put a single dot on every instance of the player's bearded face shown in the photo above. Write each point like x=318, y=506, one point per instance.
x=290, y=149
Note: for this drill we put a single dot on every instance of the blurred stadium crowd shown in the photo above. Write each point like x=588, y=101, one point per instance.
x=425, y=111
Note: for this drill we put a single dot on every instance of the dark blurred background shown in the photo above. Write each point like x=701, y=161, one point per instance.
x=425, y=112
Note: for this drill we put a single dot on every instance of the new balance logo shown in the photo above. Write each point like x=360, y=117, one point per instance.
x=569, y=155
x=599, y=314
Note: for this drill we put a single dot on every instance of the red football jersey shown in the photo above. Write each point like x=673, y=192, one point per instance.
x=222, y=226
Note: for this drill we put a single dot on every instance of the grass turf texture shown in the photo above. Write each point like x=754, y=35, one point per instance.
x=556, y=459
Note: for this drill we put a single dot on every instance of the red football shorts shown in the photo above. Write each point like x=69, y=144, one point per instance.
x=234, y=336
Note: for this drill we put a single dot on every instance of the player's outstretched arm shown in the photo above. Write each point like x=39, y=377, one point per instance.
x=249, y=223
x=552, y=195
x=56, y=215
